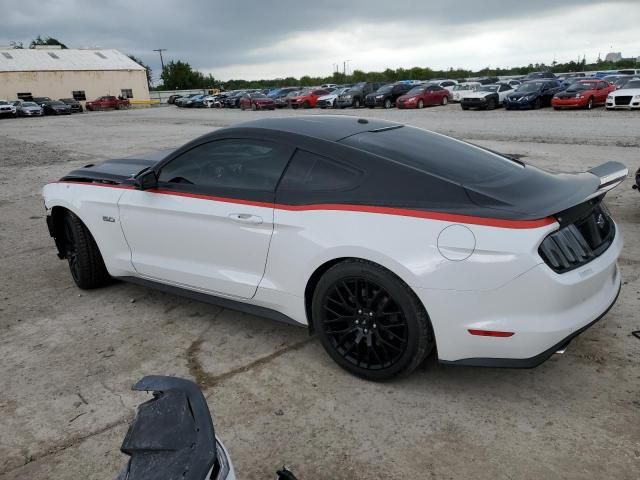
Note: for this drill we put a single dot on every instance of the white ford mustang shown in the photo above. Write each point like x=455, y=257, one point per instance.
x=385, y=239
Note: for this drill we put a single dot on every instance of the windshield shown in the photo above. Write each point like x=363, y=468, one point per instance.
x=436, y=154
x=385, y=89
x=530, y=87
x=416, y=90
x=2, y=102
x=258, y=95
x=488, y=88
x=574, y=87
x=633, y=84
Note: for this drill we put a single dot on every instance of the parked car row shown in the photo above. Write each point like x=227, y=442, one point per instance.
x=39, y=106
x=533, y=91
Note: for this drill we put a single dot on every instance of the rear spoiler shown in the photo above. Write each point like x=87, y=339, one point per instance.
x=611, y=174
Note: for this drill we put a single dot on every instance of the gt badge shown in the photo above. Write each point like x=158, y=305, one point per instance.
x=108, y=219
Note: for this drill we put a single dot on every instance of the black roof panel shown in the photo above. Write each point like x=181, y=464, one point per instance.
x=326, y=127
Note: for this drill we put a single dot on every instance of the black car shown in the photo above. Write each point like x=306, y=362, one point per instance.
x=76, y=106
x=182, y=101
x=637, y=184
x=533, y=94
x=538, y=76
x=387, y=95
x=55, y=107
x=354, y=97
x=233, y=101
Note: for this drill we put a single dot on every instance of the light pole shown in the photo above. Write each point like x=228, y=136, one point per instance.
x=160, y=50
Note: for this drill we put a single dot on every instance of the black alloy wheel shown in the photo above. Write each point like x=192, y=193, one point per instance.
x=369, y=321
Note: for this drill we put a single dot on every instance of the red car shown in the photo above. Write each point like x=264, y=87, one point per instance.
x=422, y=96
x=583, y=94
x=256, y=101
x=108, y=101
x=307, y=98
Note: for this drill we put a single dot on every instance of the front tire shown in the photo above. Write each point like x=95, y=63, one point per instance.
x=445, y=100
x=85, y=261
x=590, y=103
x=369, y=321
x=387, y=103
x=420, y=104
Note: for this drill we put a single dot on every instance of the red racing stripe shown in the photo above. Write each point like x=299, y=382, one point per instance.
x=403, y=212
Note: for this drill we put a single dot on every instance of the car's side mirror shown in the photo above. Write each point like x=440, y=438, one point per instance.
x=146, y=180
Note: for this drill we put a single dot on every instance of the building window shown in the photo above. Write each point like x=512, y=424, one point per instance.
x=101, y=55
x=25, y=96
x=79, y=95
x=7, y=55
x=126, y=93
x=52, y=55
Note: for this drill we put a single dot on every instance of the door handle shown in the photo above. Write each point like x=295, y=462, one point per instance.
x=246, y=218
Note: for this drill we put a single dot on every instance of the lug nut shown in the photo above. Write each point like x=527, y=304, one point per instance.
x=357, y=322
x=371, y=314
x=359, y=311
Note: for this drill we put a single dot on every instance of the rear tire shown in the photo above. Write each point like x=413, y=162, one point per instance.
x=369, y=321
x=85, y=261
x=538, y=104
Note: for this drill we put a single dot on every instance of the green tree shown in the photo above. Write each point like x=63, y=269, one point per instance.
x=45, y=41
x=146, y=67
x=179, y=75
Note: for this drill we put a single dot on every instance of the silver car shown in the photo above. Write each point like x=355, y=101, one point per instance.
x=27, y=109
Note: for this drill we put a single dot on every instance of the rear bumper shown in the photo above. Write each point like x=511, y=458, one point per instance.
x=543, y=309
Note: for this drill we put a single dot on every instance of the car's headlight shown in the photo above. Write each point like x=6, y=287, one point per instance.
x=379, y=96
x=609, y=97
x=347, y=97
x=579, y=95
x=636, y=97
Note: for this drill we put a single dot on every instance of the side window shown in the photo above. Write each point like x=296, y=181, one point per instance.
x=242, y=164
x=311, y=172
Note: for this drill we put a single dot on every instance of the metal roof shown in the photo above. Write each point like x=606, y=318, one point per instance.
x=34, y=60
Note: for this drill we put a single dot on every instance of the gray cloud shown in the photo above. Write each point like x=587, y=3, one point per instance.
x=254, y=37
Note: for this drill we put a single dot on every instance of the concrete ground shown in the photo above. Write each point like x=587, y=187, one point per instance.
x=68, y=357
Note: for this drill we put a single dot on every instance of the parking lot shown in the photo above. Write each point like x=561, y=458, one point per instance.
x=69, y=357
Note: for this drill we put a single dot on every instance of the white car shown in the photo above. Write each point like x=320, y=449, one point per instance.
x=7, y=108
x=448, y=84
x=386, y=240
x=626, y=98
x=330, y=99
x=462, y=89
x=486, y=96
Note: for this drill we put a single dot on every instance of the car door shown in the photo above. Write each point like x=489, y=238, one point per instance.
x=503, y=91
x=431, y=95
x=208, y=224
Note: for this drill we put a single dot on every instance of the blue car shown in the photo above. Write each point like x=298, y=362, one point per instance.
x=534, y=94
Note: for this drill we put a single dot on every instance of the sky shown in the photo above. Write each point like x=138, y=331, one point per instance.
x=278, y=38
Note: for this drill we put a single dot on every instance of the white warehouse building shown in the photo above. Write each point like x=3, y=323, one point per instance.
x=70, y=73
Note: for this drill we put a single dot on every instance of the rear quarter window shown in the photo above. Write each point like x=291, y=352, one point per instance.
x=311, y=172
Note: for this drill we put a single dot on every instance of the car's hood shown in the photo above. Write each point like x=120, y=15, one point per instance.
x=117, y=170
x=30, y=109
x=517, y=95
x=263, y=100
x=331, y=96
x=404, y=98
x=625, y=92
x=477, y=94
